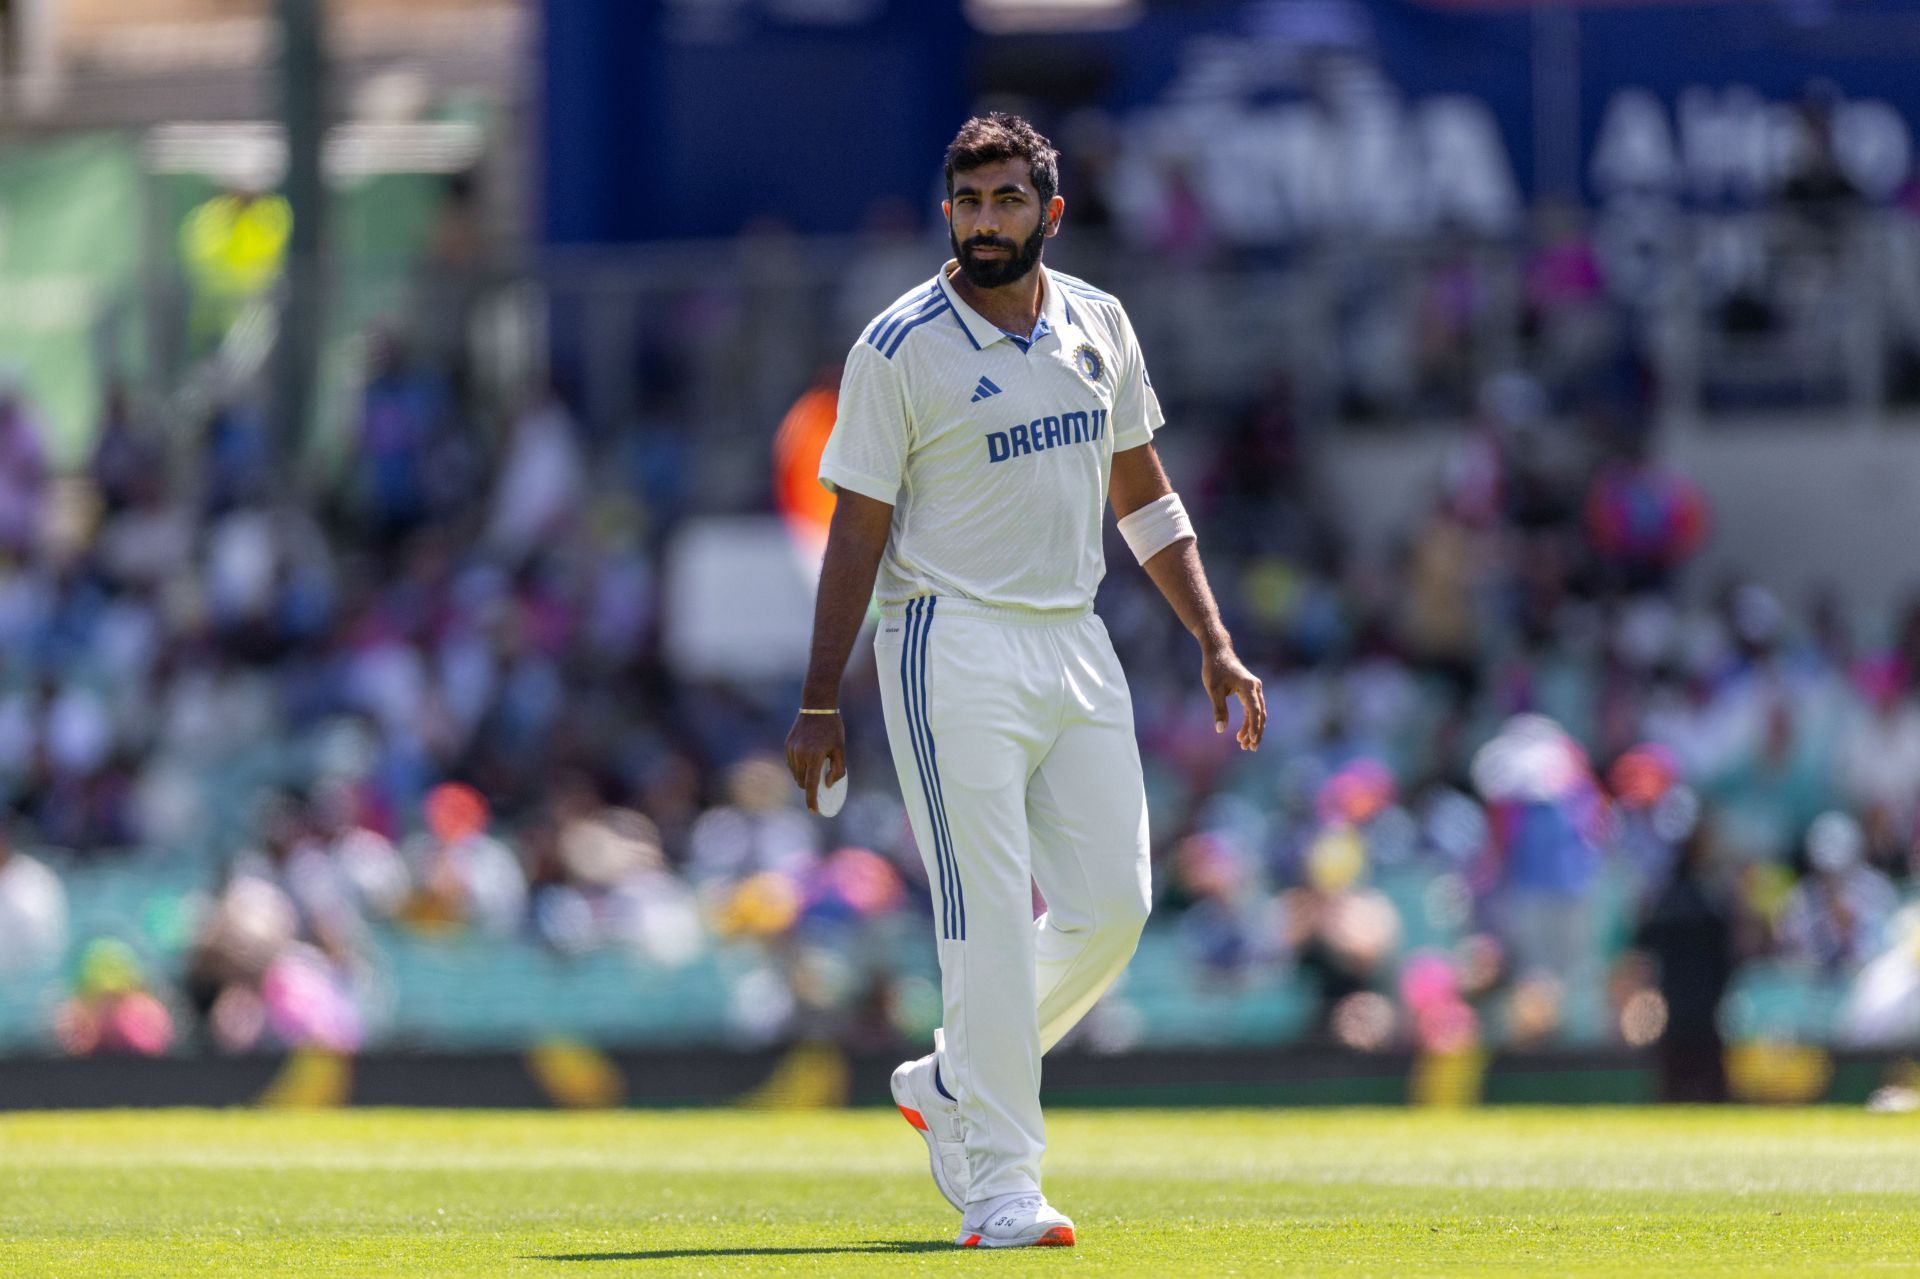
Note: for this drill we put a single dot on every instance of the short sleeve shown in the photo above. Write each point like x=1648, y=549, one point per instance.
x=1136, y=409
x=867, y=451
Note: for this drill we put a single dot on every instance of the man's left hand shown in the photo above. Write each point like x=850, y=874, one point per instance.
x=1225, y=675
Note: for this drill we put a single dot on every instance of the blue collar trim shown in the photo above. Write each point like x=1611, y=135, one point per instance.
x=1040, y=330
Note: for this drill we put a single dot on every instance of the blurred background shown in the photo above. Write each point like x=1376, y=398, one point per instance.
x=408, y=417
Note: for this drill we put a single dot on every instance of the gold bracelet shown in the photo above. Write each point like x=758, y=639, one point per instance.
x=808, y=710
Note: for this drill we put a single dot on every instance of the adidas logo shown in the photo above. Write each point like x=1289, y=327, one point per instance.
x=985, y=389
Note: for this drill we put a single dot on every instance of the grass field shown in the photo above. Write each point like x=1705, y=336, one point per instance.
x=1190, y=1193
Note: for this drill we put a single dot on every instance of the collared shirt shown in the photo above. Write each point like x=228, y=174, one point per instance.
x=993, y=451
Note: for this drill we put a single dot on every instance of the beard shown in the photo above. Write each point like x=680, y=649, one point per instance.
x=992, y=273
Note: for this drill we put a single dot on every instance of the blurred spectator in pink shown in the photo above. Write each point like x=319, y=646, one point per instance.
x=274, y=963
x=849, y=887
x=1442, y=1020
x=251, y=924
x=112, y=1011
x=308, y=1002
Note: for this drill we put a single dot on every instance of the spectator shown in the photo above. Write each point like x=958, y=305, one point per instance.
x=1879, y=749
x=402, y=410
x=33, y=913
x=124, y=454
x=23, y=475
x=1686, y=927
x=1818, y=190
x=1564, y=313
x=1544, y=856
x=1835, y=916
x=542, y=480
x=112, y=1011
x=1644, y=520
x=465, y=878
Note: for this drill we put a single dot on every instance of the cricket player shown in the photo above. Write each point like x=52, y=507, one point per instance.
x=984, y=421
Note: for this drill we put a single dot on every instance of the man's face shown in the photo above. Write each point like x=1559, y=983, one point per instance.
x=998, y=223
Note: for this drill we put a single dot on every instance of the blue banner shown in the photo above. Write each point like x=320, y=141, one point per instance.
x=670, y=119
x=1290, y=117
x=698, y=118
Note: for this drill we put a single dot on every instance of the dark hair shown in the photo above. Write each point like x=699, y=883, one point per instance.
x=1000, y=136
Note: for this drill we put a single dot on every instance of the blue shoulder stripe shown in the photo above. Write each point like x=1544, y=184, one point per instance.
x=899, y=311
x=1080, y=286
x=905, y=304
x=880, y=339
x=879, y=321
x=1075, y=280
x=913, y=324
x=888, y=324
x=1088, y=295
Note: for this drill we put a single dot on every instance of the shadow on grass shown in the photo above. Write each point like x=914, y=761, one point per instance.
x=669, y=1254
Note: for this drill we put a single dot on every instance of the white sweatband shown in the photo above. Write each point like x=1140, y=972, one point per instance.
x=1155, y=527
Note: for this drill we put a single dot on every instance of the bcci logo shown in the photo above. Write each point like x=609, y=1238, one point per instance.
x=1088, y=361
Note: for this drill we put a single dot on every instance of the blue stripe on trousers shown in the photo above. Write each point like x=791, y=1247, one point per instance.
x=908, y=681
x=933, y=769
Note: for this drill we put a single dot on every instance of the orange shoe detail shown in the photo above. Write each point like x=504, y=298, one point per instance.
x=1058, y=1237
x=913, y=1117
x=971, y=1241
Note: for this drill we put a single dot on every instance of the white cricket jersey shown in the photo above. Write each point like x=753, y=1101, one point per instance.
x=993, y=452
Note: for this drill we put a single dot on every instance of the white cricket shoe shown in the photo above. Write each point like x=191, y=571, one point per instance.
x=1016, y=1221
x=938, y=1122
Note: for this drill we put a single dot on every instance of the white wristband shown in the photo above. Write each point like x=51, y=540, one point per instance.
x=1155, y=527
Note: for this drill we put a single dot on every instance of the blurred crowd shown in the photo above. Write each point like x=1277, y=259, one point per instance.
x=1527, y=779
x=1612, y=793
x=422, y=696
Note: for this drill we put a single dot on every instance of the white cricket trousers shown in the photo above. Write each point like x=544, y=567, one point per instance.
x=1012, y=732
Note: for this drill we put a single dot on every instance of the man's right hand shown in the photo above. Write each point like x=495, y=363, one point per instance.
x=855, y=541
x=816, y=753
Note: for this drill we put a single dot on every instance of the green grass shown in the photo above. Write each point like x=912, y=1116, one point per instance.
x=1188, y=1193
